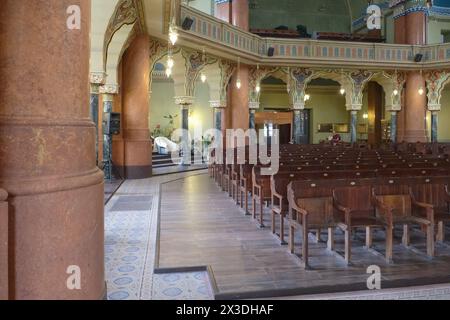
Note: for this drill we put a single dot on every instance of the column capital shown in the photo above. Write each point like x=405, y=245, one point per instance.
x=253, y=105
x=299, y=105
x=184, y=100
x=434, y=107
x=393, y=108
x=97, y=78
x=216, y=104
x=109, y=89
x=354, y=107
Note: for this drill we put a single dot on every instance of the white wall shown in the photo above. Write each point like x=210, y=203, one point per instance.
x=162, y=103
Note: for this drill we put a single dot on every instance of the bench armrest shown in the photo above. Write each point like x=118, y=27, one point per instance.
x=384, y=209
x=278, y=197
x=256, y=187
x=342, y=209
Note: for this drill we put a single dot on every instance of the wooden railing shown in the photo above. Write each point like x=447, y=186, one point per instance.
x=219, y=34
x=4, y=288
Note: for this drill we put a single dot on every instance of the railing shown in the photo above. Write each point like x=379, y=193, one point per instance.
x=4, y=288
x=218, y=32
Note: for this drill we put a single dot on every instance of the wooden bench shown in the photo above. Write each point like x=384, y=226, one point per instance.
x=432, y=201
x=394, y=206
x=260, y=193
x=355, y=210
x=309, y=213
x=245, y=185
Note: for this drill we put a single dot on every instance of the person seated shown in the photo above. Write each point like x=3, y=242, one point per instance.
x=335, y=138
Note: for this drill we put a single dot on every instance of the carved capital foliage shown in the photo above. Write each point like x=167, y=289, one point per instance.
x=253, y=105
x=354, y=107
x=109, y=89
x=195, y=62
x=97, y=78
x=218, y=104
x=184, y=100
x=299, y=79
x=436, y=81
x=358, y=78
x=255, y=76
x=227, y=69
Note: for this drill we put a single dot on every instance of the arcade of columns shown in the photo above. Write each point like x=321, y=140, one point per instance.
x=48, y=160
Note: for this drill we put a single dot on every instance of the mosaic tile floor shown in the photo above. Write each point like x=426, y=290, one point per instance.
x=130, y=240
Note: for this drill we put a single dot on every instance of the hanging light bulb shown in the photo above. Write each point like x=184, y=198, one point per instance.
x=170, y=62
x=342, y=91
x=258, y=88
x=173, y=34
x=395, y=92
x=238, y=83
x=307, y=97
x=168, y=72
x=421, y=91
x=203, y=77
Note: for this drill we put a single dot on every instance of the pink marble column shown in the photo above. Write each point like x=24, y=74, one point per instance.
x=240, y=14
x=47, y=159
x=239, y=97
x=415, y=104
x=135, y=106
x=400, y=38
x=224, y=11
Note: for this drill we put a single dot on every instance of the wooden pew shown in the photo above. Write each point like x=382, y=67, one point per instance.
x=4, y=246
x=260, y=193
x=310, y=213
x=279, y=201
x=394, y=206
x=245, y=185
x=355, y=210
x=432, y=201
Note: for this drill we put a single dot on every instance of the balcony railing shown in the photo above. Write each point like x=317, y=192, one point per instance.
x=218, y=32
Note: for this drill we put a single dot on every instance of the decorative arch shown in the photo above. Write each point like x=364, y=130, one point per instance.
x=436, y=82
x=256, y=75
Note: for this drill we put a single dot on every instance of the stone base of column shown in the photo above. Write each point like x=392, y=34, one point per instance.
x=134, y=172
x=415, y=136
x=138, y=160
x=54, y=230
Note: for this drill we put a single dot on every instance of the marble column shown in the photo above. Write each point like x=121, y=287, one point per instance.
x=253, y=106
x=94, y=114
x=223, y=10
x=415, y=104
x=218, y=119
x=394, y=126
x=240, y=113
x=186, y=143
x=47, y=163
x=434, y=126
x=240, y=14
x=217, y=111
x=353, y=125
x=400, y=38
x=97, y=79
x=415, y=108
x=297, y=129
x=135, y=109
x=107, y=138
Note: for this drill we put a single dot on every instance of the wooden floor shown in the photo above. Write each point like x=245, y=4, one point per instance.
x=201, y=226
